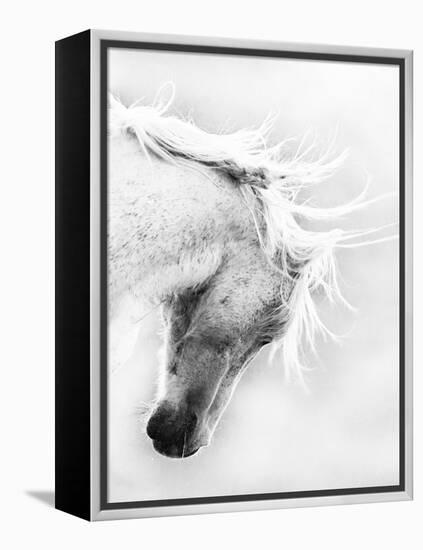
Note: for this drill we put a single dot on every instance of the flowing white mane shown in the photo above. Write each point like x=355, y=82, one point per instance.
x=269, y=183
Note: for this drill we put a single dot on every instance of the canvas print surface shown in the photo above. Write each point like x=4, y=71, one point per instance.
x=253, y=275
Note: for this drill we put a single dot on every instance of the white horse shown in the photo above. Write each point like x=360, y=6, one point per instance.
x=210, y=228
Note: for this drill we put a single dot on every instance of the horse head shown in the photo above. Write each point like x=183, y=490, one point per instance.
x=211, y=334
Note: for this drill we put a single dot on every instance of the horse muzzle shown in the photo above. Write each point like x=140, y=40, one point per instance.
x=173, y=431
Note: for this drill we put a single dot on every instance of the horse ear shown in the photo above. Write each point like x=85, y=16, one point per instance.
x=164, y=97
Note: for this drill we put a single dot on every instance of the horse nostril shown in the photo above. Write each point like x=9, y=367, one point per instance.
x=168, y=425
x=152, y=428
x=157, y=423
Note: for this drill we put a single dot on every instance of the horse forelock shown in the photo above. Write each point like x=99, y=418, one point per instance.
x=269, y=183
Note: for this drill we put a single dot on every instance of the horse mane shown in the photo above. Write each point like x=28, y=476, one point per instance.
x=270, y=182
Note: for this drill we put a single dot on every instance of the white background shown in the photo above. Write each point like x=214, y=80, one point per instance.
x=26, y=218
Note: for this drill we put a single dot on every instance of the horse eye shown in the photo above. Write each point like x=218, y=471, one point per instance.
x=178, y=348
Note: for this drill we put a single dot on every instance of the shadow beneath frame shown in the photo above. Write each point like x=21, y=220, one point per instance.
x=46, y=497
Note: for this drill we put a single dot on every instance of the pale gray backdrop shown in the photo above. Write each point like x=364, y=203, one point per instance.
x=274, y=436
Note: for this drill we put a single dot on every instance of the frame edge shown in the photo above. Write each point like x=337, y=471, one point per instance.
x=72, y=385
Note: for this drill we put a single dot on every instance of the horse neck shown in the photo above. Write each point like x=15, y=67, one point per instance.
x=170, y=225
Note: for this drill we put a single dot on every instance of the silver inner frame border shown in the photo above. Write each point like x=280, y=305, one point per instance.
x=95, y=306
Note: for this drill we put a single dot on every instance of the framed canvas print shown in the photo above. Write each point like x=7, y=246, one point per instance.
x=233, y=275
